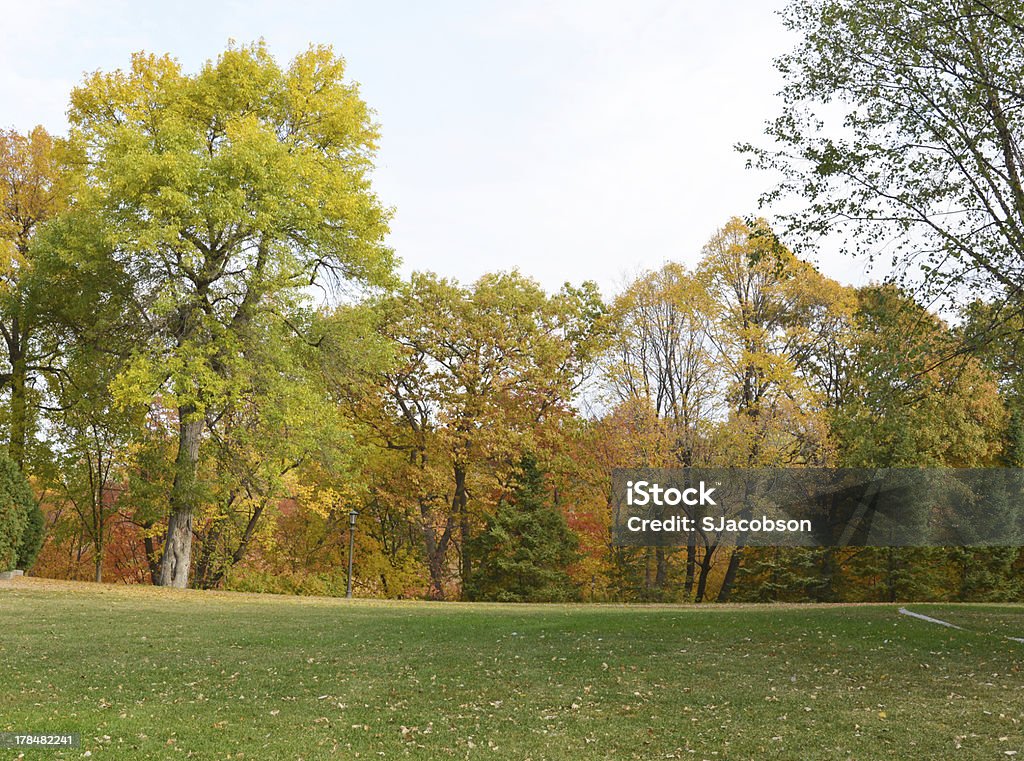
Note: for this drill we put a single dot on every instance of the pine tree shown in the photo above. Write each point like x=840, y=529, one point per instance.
x=526, y=547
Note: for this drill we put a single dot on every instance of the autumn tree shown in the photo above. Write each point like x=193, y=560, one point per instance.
x=661, y=354
x=276, y=437
x=481, y=374
x=221, y=196
x=33, y=190
x=661, y=351
x=907, y=406
x=995, y=336
x=630, y=435
x=773, y=323
x=771, y=312
x=911, y=406
x=91, y=439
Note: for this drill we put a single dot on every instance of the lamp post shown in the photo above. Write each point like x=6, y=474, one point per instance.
x=353, y=514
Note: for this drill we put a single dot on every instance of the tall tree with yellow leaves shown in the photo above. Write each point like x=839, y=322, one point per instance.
x=221, y=196
x=33, y=190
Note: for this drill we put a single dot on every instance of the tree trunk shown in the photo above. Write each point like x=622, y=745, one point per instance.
x=436, y=565
x=174, y=565
x=437, y=549
x=691, y=566
x=661, y=572
x=150, y=547
x=99, y=565
x=460, y=501
x=730, y=574
x=19, y=406
x=891, y=566
x=705, y=572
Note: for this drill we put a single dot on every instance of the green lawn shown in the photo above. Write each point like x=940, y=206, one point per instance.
x=152, y=674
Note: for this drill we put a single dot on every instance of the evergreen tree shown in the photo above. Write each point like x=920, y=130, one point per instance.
x=525, y=548
x=20, y=530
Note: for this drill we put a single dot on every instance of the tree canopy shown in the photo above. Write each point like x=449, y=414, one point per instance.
x=221, y=197
x=209, y=360
x=901, y=132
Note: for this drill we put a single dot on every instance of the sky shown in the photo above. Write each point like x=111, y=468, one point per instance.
x=571, y=139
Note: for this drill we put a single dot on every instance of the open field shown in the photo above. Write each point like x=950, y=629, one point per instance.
x=145, y=673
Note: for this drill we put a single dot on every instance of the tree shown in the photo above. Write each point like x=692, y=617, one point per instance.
x=901, y=127
x=907, y=407
x=661, y=354
x=480, y=374
x=33, y=190
x=32, y=537
x=221, y=197
x=772, y=321
x=629, y=435
x=93, y=453
x=277, y=429
x=771, y=312
x=19, y=539
x=526, y=547
x=997, y=341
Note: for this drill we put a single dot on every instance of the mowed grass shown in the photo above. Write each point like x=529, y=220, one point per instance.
x=153, y=674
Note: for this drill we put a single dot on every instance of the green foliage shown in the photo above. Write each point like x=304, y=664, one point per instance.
x=911, y=400
x=32, y=537
x=901, y=129
x=892, y=574
x=525, y=548
x=20, y=529
x=780, y=574
x=285, y=582
x=987, y=574
x=214, y=201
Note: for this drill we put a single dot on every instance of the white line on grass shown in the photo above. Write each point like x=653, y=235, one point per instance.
x=940, y=622
x=929, y=619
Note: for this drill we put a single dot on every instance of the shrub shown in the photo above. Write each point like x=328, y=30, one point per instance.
x=284, y=582
x=31, y=538
x=19, y=535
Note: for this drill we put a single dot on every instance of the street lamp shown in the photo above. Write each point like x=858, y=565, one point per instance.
x=353, y=514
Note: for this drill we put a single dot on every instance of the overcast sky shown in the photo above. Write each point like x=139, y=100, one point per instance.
x=573, y=140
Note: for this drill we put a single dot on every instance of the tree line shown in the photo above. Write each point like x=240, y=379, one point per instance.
x=211, y=361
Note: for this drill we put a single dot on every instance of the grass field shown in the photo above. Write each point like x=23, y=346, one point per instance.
x=151, y=674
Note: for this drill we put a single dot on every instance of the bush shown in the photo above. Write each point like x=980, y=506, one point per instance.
x=31, y=538
x=284, y=583
x=19, y=535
